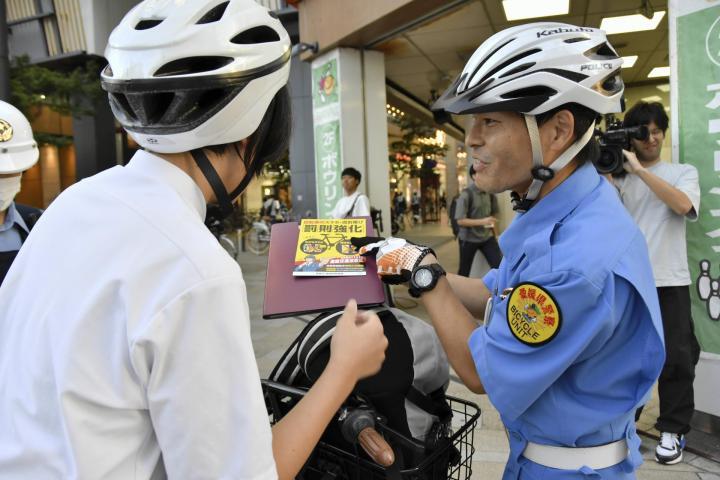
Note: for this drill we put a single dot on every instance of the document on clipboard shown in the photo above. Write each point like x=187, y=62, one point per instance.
x=287, y=295
x=324, y=247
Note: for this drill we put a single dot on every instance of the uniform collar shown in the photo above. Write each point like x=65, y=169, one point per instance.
x=13, y=217
x=550, y=210
x=147, y=164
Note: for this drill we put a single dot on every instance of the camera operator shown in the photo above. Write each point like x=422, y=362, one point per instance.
x=660, y=196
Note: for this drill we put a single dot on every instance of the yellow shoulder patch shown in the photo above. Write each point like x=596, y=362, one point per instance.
x=6, y=131
x=533, y=315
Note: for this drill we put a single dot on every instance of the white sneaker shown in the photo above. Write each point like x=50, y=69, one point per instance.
x=670, y=448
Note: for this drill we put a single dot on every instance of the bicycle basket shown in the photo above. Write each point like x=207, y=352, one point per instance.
x=451, y=460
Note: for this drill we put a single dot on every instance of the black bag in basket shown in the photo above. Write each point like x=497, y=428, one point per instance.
x=408, y=391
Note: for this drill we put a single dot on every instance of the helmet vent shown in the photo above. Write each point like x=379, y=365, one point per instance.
x=108, y=72
x=212, y=98
x=487, y=58
x=154, y=107
x=538, y=91
x=511, y=61
x=148, y=24
x=576, y=39
x=214, y=14
x=612, y=84
x=262, y=34
x=190, y=65
x=602, y=51
x=125, y=107
x=574, y=76
x=518, y=69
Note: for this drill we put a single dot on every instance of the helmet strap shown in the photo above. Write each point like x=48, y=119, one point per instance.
x=540, y=172
x=224, y=200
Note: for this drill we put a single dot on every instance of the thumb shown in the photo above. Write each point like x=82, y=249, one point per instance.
x=350, y=312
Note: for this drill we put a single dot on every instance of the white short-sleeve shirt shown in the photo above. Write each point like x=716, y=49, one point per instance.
x=354, y=205
x=125, y=347
x=664, y=230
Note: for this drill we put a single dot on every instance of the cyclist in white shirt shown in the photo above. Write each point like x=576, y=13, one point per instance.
x=125, y=348
x=354, y=203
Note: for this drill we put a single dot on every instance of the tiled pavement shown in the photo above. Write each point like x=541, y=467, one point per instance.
x=270, y=338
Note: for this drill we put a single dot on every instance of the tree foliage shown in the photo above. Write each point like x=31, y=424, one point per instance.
x=412, y=144
x=68, y=93
x=279, y=170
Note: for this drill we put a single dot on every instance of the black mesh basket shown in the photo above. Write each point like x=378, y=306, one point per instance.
x=451, y=459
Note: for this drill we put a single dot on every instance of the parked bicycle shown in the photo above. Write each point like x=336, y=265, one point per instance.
x=227, y=230
x=397, y=222
x=257, y=236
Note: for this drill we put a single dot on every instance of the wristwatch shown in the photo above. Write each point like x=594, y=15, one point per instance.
x=424, y=278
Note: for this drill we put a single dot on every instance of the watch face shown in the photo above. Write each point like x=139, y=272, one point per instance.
x=423, y=277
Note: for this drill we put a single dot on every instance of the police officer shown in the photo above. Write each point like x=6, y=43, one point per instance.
x=572, y=339
x=18, y=152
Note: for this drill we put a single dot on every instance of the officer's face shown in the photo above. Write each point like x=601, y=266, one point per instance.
x=500, y=149
x=649, y=150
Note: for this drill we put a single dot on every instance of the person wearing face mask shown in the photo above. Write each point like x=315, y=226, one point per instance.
x=18, y=152
x=125, y=342
x=571, y=343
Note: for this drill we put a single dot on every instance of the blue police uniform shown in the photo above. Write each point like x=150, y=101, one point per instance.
x=573, y=342
x=12, y=235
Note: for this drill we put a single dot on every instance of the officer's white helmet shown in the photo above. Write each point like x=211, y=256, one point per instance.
x=18, y=149
x=536, y=67
x=191, y=74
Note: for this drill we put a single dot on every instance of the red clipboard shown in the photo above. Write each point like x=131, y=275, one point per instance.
x=289, y=296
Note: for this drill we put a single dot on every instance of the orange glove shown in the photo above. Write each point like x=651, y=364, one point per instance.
x=396, y=258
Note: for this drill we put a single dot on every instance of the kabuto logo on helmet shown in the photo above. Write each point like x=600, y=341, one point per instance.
x=6, y=131
x=555, y=31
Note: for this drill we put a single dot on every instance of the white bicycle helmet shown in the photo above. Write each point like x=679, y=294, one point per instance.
x=532, y=69
x=18, y=149
x=187, y=75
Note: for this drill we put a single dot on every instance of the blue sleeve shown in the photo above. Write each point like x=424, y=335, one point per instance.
x=516, y=374
x=490, y=279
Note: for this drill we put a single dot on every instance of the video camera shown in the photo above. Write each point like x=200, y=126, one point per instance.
x=612, y=142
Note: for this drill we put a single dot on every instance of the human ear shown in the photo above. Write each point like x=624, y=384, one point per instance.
x=559, y=133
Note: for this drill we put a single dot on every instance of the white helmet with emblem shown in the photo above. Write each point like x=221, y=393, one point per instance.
x=18, y=149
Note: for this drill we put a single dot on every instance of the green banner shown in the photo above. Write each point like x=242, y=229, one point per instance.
x=328, y=143
x=698, y=117
x=327, y=166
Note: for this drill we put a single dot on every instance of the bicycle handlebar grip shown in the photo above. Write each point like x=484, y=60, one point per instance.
x=375, y=445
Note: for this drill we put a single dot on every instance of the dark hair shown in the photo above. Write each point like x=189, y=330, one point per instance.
x=471, y=171
x=353, y=173
x=271, y=139
x=642, y=113
x=584, y=117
